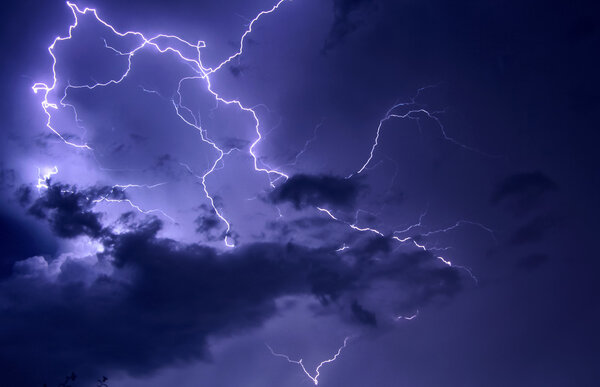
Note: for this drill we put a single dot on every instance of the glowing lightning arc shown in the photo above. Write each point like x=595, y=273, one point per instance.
x=203, y=73
x=315, y=378
x=197, y=65
x=50, y=104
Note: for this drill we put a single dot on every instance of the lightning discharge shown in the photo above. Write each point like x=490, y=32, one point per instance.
x=44, y=182
x=407, y=318
x=121, y=188
x=317, y=373
x=195, y=63
x=203, y=73
x=44, y=177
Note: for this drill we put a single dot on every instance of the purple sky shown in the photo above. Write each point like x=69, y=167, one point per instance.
x=416, y=178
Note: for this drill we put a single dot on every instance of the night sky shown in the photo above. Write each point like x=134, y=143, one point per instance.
x=195, y=193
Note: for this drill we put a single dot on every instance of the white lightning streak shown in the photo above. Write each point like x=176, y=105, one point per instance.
x=203, y=73
x=413, y=114
x=411, y=317
x=195, y=63
x=315, y=378
x=44, y=179
x=124, y=187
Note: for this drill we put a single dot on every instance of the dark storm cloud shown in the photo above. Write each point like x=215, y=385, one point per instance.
x=317, y=190
x=377, y=244
x=523, y=191
x=207, y=222
x=7, y=178
x=23, y=195
x=522, y=80
x=362, y=315
x=68, y=210
x=532, y=261
x=534, y=230
x=176, y=297
x=306, y=227
x=149, y=302
x=347, y=18
x=19, y=240
x=422, y=276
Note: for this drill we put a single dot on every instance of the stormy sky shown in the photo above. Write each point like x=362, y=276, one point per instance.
x=202, y=193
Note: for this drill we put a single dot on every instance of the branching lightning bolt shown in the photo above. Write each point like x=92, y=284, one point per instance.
x=460, y=223
x=137, y=207
x=195, y=63
x=414, y=113
x=315, y=378
x=306, y=144
x=203, y=73
x=44, y=183
x=44, y=177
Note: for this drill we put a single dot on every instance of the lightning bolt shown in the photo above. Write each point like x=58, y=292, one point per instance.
x=342, y=248
x=195, y=63
x=408, y=239
x=415, y=225
x=317, y=373
x=306, y=144
x=202, y=75
x=415, y=112
x=44, y=183
x=44, y=177
x=407, y=318
x=461, y=223
x=138, y=208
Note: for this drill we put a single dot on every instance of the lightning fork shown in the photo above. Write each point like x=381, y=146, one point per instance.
x=315, y=378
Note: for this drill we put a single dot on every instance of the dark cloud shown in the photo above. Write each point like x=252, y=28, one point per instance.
x=317, y=190
x=523, y=191
x=306, y=227
x=377, y=244
x=69, y=211
x=421, y=277
x=362, y=315
x=348, y=16
x=7, y=178
x=174, y=297
x=146, y=302
x=208, y=223
x=534, y=230
x=523, y=71
x=24, y=195
x=238, y=70
x=532, y=261
x=19, y=239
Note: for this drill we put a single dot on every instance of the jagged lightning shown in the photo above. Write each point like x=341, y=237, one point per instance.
x=44, y=183
x=202, y=75
x=44, y=177
x=195, y=63
x=407, y=318
x=122, y=187
x=317, y=373
x=414, y=113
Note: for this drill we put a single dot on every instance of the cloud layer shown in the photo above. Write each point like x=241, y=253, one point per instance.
x=143, y=302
